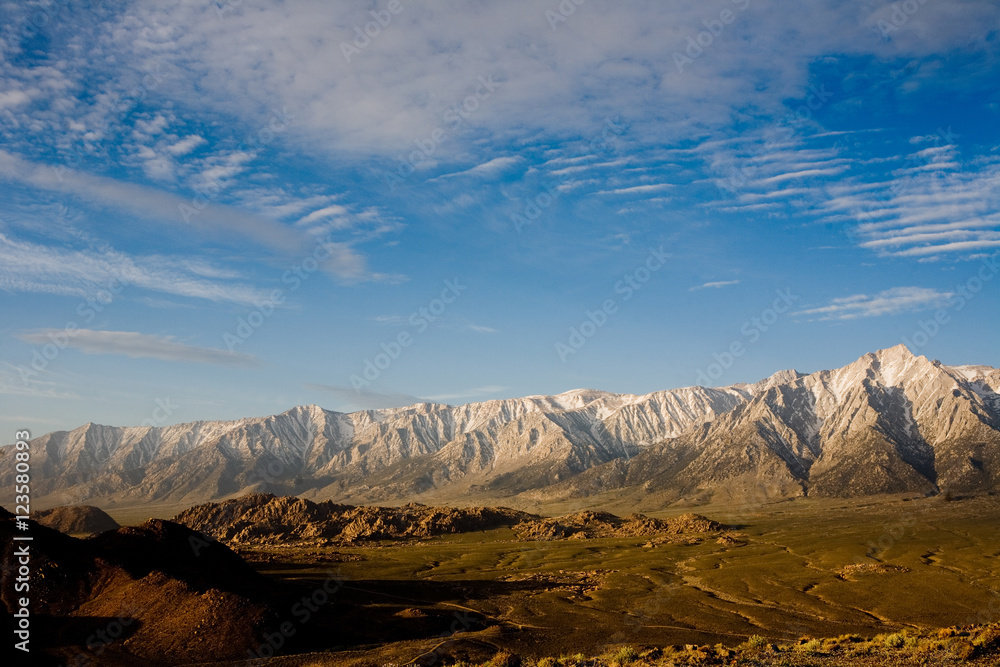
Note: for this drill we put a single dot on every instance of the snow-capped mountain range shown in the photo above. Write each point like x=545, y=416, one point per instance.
x=890, y=422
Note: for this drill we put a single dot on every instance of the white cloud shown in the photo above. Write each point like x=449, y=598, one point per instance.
x=29, y=267
x=607, y=57
x=24, y=381
x=13, y=98
x=147, y=202
x=186, y=145
x=138, y=345
x=805, y=173
x=487, y=169
x=936, y=205
x=215, y=220
x=219, y=170
x=945, y=209
x=889, y=302
x=717, y=284
x=638, y=189
x=577, y=168
x=479, y=328
x=331, y=211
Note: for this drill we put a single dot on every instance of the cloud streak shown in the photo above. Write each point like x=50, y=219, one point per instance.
x=177, y=214
x=717, y=284
x=366, y=399
x=137, y=345
x=30, y=267
x=889, y=302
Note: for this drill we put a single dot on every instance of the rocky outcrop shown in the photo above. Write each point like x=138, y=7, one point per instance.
x=261, y=519
x=589, y=525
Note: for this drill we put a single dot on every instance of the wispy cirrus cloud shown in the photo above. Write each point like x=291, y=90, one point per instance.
x=889, y=302
x=927, y=203
x=638, y=189
x=489, y=168
x=397, y=92
x=148, y=203
x=162, y=210
x=366, y=399
x=35, y=268
x=138, y=345
x=933, y=207
x=716, y=285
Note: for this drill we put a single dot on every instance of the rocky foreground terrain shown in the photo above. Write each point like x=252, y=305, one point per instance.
x=890, y=422
x=137, y=595
x=162, y=594
x=971, y=645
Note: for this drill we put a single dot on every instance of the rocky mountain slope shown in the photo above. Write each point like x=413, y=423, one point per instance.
x=506, y=444
x=889, y=422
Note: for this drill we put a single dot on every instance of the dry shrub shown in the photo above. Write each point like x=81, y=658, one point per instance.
x=504, y=659
x=961, y=649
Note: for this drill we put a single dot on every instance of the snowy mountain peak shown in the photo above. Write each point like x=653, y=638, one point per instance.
x=312, y=410
x=889, y=421
x=891, y=367
x=580, y=398
x=898, y=351
x=781, y=377
x=897, y=364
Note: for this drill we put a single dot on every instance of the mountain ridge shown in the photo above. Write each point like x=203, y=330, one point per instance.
x=888, y=422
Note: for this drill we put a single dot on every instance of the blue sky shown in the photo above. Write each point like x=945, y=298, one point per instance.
x=219, y=210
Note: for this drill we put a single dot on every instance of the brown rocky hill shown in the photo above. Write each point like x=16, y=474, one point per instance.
x=156, y=594
x=263, y=518
x=587, y=525
x=76, y=519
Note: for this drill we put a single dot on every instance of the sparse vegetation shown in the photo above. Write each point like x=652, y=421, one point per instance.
x=968, y=645
x=811, y=646
x=754, y=643
x=625, y=655
x=894, y=640
x=504, y=659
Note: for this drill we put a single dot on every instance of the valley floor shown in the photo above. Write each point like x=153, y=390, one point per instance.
x=853, y=569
